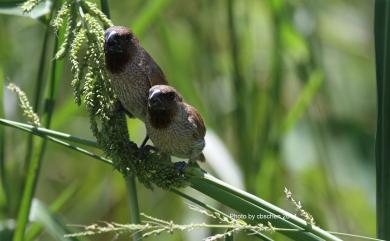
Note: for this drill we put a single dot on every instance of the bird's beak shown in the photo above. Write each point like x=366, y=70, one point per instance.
x=154, y=100
x=111, y=45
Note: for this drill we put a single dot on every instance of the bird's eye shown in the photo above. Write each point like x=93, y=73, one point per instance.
x=171, y=96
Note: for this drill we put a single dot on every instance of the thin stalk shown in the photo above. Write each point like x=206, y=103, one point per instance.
x=382, y=50
x=105, y=8
x=39, y=148
x=60, y=142
x=239, y=88
x=133, y=204
x=130, y=179
x=3, y=173
x=47, y=132
x=266, y=140
x=38, y=95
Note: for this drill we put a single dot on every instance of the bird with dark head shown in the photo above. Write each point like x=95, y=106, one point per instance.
x=175, y=127
x=131, y=69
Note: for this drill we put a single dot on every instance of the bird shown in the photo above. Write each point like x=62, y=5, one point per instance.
x=175, y=127
x=131, y=69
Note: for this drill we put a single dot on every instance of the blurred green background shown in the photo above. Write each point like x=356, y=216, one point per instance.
x=286, y=88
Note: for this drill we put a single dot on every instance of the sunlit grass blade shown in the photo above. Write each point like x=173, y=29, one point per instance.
x=40, y=213
x=247, y=203
x=37, y=228
x=382, y=50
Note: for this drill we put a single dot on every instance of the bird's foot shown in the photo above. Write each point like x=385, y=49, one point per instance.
x=180, y=166
x=145, y=150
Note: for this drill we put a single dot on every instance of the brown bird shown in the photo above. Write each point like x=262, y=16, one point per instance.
x=131, y=69
x=175, y=127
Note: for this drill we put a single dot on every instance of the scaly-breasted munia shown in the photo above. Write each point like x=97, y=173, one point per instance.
x=175, y=127
x=131, y=69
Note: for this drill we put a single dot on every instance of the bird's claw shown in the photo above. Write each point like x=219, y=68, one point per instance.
x=180, y=166
x=145, y=150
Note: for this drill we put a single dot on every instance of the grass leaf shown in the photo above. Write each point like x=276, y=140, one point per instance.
x=382, y=49
x=40, y=213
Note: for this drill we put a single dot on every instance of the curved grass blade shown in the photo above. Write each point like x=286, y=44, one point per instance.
x=247, y=203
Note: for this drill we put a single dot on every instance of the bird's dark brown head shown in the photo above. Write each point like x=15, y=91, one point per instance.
x=163, y=104
x=119, y=43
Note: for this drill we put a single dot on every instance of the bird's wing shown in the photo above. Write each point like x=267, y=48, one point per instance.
x=197, y=121
x=153, y=71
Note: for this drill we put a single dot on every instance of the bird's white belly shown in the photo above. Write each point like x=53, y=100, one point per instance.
x=173, y=141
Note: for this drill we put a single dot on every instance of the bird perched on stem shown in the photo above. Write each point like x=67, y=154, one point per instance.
x=131, y=69
x=175, y=127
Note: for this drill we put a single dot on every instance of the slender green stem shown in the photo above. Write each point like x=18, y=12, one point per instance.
x=130, y=179
x=105, y=7
x=3, y=173
x=133, y=203
x=239, y=91
x=39, y=148
x=47, y=132
x=38, y=95
x=31, y=130
x=382, y=50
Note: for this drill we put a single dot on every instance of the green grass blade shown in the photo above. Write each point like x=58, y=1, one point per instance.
x=39, y=147
x=55, y=140
x=39, y=86
x=105, y=8
x=37, y=228
x=52, y=224
x=249, y=204
x=3, y=173
x=133, y=203
x=382, y=49
x=47, y=132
